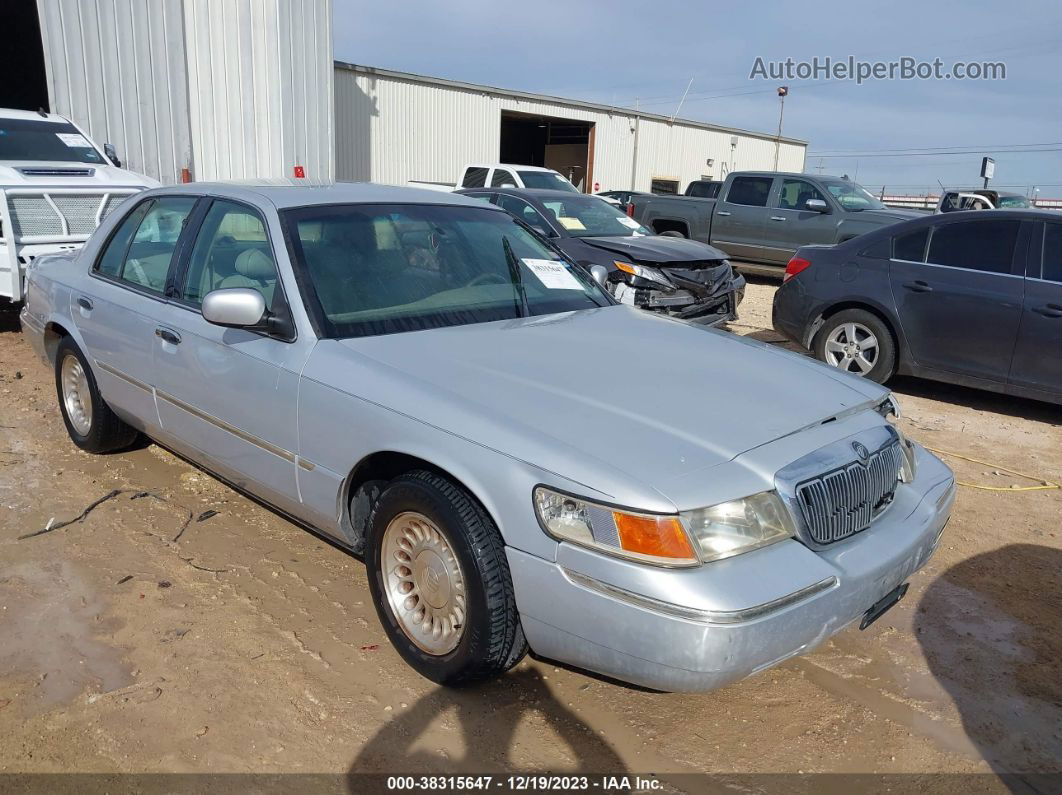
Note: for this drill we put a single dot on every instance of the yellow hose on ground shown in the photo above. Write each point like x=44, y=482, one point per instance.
x=1045, y=485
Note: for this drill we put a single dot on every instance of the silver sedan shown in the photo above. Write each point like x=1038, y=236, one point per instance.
x=521, y=461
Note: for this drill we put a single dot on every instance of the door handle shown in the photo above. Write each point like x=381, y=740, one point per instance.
x=723, y=213
x=1051, y=310
x=777, y=217
x=84, y=303
x=166, y=335
x=918, y=287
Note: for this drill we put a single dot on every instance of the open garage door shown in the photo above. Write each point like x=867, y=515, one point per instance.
x=565, y=145
x=23, y=55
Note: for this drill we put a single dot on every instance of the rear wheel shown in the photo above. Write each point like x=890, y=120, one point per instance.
x=89, y=420
x=672, y=233
x=440, y=580
x=858, y=342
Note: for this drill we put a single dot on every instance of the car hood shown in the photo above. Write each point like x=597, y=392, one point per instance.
x=602, y=393
x=889, y=216
x=102, y=175
x=656, y=248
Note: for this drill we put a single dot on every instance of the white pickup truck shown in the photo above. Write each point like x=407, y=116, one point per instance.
x=56, y=185
x=501, y=175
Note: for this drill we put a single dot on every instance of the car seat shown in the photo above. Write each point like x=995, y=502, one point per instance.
x=254, y=269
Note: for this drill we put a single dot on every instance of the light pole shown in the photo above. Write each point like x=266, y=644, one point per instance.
x=783, y=91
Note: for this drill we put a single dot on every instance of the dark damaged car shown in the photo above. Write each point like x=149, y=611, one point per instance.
x=668, y=275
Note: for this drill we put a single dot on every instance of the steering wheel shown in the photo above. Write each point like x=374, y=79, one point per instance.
x=487, y=278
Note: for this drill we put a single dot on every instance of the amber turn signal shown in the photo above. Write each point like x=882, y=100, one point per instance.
x=658, y=536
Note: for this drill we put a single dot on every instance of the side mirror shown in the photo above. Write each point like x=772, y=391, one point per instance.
x=234, y=307
x=112, y=155
x=600, y=275
x=817, y=206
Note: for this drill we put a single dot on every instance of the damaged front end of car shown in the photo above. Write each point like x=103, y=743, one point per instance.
x=706, y=292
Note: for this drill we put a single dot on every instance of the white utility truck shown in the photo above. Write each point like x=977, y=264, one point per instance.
x=501, y=175
x=56, y=185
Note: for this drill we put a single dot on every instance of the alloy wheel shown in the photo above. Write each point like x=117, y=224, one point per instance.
x=852, y=347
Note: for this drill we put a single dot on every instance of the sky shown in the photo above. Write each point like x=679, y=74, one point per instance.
x=623, y=53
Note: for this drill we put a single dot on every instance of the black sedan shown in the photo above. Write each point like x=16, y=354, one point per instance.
x=682, y=278
x=971, y=298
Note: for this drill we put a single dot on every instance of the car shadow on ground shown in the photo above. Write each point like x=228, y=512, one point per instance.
x=991, y=631
x=978, y=399
x=9, y=316
x=487, y=719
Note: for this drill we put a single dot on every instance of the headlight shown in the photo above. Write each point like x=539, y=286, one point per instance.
x=889, y=408
x=731, y=528
x=651, y=538
x=642, y=272
x=693, y=537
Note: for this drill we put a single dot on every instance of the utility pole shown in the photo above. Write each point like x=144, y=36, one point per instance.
x=782, y=92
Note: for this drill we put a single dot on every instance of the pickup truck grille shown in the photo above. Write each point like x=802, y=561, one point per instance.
x=35, y=216
x=845, y=501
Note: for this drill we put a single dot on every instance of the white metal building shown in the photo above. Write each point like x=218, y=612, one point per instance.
x=395, y=127
x=230, y=89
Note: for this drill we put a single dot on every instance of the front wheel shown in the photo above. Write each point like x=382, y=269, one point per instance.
x=440, y=580
x=89, y=420
x=858, y=342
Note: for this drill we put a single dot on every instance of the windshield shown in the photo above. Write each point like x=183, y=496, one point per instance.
x=384, y=269
x=851, y=195
x=547, y=180
x=26, y=139
x=590, y=216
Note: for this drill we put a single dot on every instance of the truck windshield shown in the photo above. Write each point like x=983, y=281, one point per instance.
x=851, y=195
x=26, y=139
x=1012, y=202
x=590, y=216
x=546, y=180
x=383, y=269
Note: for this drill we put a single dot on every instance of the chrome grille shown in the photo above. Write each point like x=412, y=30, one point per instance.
x=846, y=500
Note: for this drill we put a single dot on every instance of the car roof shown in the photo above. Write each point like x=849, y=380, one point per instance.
x=32, y=115
x=532, y=193
x=512, y=166
x=286, y=193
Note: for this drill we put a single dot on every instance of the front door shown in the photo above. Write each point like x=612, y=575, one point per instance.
x=227, y=395
x=960, y=308
x=118, y=320
x=1037, y=363
x=791, y=224
x=739, y=218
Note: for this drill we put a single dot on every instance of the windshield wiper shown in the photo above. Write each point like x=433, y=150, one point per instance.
x=517, y=277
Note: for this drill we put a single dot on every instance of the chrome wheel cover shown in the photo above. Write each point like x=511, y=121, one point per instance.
x=852, y=347
x=77, y=399
x=424, y=583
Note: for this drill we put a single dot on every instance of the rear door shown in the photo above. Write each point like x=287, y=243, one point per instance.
x=960, y=302
x=117, y=320
x=740, y=216
x=791, y=224
x=1037, y=363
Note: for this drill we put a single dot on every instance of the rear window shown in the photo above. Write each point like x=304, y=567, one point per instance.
x=750, y=191
x=986, y=245
x=475, y=177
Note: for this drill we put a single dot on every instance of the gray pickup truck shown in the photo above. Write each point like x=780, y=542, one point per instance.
x=764, y=217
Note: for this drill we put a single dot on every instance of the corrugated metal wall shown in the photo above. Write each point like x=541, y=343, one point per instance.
x=117, y=68
x=260, y=82
x=393, y=130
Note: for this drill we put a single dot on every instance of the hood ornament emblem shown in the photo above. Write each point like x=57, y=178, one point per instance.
x=861, y=451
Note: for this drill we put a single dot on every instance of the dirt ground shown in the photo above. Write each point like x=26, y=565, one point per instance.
x=248, y=644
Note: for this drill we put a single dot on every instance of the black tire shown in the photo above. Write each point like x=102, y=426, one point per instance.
x=885, y=364
x=672, y=233
x=492, y=640
x=106, y=432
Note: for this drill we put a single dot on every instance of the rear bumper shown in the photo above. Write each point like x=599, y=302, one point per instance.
x=789, y=313
x=578, y=617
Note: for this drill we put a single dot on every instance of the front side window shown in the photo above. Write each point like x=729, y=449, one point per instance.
x=502, y=178
x=27, y=139
x=143, y=258
x=525, y=212
x=750, y=191
x=386, y=269
x=1052, y=269
x=589, y=216
x=231, y=250
x=796, y=193
x=986, y=245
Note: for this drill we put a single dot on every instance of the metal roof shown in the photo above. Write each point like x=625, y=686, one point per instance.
x=373, y=71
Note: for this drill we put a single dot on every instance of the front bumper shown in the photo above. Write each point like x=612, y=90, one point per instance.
x=728, y=619
x=714, y=309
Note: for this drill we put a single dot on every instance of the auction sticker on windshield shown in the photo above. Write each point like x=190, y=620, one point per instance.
x=553, y=274
x=571, y=224
x=74, y=140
